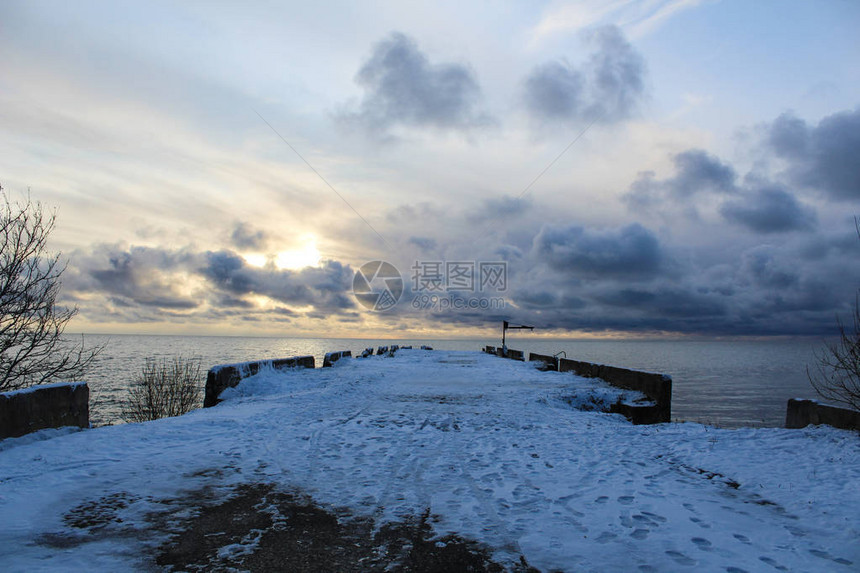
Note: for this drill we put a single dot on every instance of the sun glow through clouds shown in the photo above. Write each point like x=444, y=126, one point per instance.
x=255, y=259
x=305, y=256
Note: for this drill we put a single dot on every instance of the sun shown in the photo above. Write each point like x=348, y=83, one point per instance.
x=306, y=256
x=255, y=259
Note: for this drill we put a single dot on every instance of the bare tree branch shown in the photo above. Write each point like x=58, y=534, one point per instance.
x=836, y=377
x=33, y=349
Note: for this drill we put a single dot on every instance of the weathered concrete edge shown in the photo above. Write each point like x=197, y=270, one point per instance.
x=801, y=413
x=226, y=376
x=658, y=388
x=506, y=353
x=331, y=357
x=41, y=407
x=550, y=362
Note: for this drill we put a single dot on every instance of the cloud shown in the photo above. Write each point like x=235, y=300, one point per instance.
x=821, y=157
x=244, y=236
x=762, y=266
x=139, y=276
x=696, y=171
x=666, y=301
x=554, y=91
x=755, y=204
x=632, y=252
x=699, y=171
x=501, y=208
x=770, y=210
x=608, y=87
x=148, y=284
x=324, y=287
x=423, y=243
x=403, y=88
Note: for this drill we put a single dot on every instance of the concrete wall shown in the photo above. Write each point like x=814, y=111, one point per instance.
x=801, y=413
x=516, y=355
x=506, y=353
x=550, y=362
x=47, y=406
x=228, y=375
x=658, y=388
x=332, y=357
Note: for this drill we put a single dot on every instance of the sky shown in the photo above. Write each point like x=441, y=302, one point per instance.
x=634, y=168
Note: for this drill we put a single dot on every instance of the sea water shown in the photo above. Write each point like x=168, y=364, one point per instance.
x=729, y=383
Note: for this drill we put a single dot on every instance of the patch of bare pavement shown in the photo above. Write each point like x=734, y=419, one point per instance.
x=259, y=528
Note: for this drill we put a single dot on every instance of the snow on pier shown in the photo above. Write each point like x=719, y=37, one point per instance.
x=497, y=451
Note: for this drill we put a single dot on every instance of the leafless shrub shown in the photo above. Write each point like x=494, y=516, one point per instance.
x=163, y=389
x=836, y=377
x=837, y=374
x=32, y=347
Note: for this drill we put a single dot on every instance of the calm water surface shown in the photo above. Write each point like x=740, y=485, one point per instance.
x=727, y=383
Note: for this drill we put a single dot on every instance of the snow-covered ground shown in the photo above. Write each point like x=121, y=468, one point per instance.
x=496, y=449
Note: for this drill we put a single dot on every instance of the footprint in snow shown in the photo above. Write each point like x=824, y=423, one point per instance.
x=700, y=523
x=825, y=555
x=654, y=516
x=742, y=538
x=625, y=499
x=681, y=559
x=702, y=543
x=602, y=499
x=773, y=563
x=735, y=570
x=640, y=534
x=606, y=537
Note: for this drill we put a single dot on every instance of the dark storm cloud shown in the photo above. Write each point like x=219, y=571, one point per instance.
x=554, y=91
x=147, y=284
x=666, y=301
x=139, y=275
x=696, y=171
x=763, y=267
x=325, y=287
x=755, y=204
x=825, y=157
x=607, y=88
x=630, y=252
x=617, y=72
x=502, y=207
x=576, y=277
x=244, y=236
x=402, y=87
x=699, y=171
x=532, y=299
x=770, y=210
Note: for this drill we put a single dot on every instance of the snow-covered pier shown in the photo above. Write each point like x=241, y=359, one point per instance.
x=520, y=460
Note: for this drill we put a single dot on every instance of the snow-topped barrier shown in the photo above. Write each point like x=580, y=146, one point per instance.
x=550, y=363
x=506, y=353
x=226, y=376
x=46, y=406
x=331, y=357
x=658, y=388
x=801, y=413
